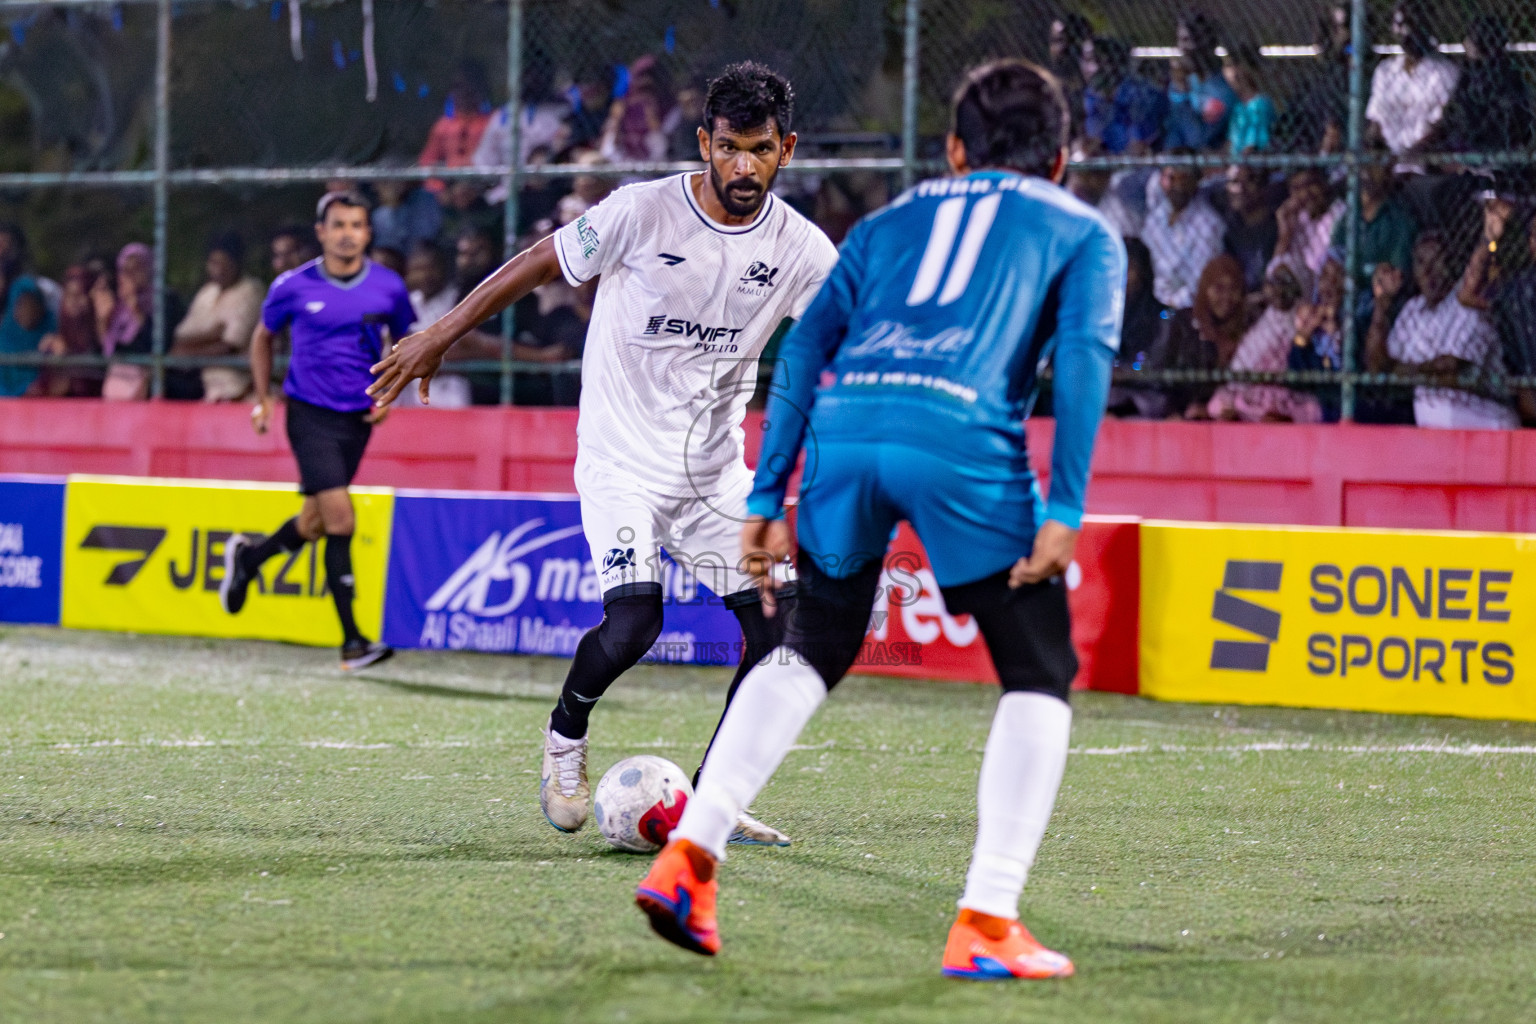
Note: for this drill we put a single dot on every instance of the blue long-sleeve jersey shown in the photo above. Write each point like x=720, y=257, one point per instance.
x=934, y=325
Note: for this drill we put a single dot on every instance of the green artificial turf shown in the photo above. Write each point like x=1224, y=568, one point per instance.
x=213, y=831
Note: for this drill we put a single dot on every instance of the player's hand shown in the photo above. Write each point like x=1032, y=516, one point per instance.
x=378, y=414
x=261, y=415
x=764, y=544
x=417, y=356
x=1054, y=545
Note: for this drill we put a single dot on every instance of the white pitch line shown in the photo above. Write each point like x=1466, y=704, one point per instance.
x=1459, y=750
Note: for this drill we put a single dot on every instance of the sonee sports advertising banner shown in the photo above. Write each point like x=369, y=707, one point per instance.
x=1367, y=620
x=148, y=556
x=31, y=525
x=512, y=575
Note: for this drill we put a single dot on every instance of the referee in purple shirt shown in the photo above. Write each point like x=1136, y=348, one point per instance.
x=343, y=311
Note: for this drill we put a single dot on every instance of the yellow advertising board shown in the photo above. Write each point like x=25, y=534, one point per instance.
x=148, y=556
x=1368, y=620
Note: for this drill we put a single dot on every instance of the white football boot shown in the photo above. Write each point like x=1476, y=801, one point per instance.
x=564, y=794
x=751, y=832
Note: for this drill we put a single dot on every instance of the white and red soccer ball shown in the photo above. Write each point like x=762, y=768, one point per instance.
x=639, y=801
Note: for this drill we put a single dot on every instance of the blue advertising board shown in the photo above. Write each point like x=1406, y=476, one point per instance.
x=31, y=549
x=514, y=575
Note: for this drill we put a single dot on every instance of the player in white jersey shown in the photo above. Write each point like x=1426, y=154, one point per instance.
x=697, y=272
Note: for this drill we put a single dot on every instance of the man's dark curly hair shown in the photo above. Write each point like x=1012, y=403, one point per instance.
x=1012, y=114
x=748, y=95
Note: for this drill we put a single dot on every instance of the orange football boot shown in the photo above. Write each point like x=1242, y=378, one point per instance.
x=986, y=948
x=678, y=895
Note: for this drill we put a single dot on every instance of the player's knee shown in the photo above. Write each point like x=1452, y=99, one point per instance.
x=631, y=625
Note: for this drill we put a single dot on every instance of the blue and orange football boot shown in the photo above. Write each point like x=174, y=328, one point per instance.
x=986, y=948
x=678, y=895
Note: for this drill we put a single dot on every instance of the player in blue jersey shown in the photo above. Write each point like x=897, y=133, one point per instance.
x=914, y=369
x=343, y=310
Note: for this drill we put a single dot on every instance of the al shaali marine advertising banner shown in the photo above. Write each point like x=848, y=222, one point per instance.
x=514, y=575
x=148, y=556
x=1369, y=620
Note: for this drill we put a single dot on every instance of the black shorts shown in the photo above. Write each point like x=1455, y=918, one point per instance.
x=327, y=444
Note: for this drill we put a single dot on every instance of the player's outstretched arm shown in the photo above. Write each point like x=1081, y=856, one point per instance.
x=1092, y=300
x=261, y=377
x=418, y=356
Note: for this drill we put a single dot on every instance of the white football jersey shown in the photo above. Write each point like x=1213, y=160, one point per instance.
x=683, y=310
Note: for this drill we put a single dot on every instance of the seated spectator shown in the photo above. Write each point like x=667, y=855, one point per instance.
x=1387, y=230
x=1069, y=31
x=1121, y=110
x=221, y=318
x=432, y=296
x=1436, y=335
x=642, y=120
x=76, y=336
x=1266, y=347
x=464, y=209
x=1409, y=91
x=1253, y=116
x=1319, y=341
x=125, y=322
x=1205, y=337
x=590, y=97
x=542, y=123
x=1501, y=279
x=456, y=135
x=1490, y=108
x=1113, y=193
x=1143, y=324
x=1316, y=114
x=1182, y=230
x=13, y=249
x=1251, y=231
x=292, y=247
x=1200, y=102
x=406, y=214
x=1306, y=219
x=26, y=320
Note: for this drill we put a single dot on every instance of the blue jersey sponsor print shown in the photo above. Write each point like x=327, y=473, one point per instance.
x=933, y=328
x=339, y=330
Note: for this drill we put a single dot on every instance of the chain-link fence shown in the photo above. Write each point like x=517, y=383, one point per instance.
x=1327, y=203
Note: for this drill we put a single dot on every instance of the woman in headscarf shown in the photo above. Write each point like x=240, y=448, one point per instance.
x=24, y=317
x=1266, y=348
x=1205, y=337
x=124, y=320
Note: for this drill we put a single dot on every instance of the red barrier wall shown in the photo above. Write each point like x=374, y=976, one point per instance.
x=1225, y=472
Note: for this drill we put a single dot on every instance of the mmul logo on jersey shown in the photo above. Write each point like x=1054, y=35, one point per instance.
x=618, y=559
x=758, y=279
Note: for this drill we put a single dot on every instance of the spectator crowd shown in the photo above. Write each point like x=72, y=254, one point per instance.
x=1239, y=268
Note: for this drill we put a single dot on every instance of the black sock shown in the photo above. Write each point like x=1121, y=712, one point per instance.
x=760, y=635
x=285, y=539
x=630, y=626
x=338, y=574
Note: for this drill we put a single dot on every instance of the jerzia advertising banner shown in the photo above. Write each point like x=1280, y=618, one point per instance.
x=148, y=556
x=1369, y=620
x=514, y=575
x=31, y=521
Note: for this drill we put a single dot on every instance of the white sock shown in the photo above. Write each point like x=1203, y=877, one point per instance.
x=771, y=707
x=1020, y=773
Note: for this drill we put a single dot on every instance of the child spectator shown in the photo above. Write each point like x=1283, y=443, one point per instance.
x=1266, y=348
x=1254, y=114
x=26, y=320
x=1319, y=341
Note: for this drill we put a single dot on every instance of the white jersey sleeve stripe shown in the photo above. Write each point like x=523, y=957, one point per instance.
x=565, y=265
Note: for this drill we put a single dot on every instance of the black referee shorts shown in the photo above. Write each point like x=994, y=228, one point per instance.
x=327, y=444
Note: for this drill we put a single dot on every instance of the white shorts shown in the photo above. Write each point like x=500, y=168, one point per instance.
x=627, y=525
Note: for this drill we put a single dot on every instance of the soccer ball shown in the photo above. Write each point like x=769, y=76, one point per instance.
x=639, y=801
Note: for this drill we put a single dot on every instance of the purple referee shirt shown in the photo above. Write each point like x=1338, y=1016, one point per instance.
x=339, y=330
